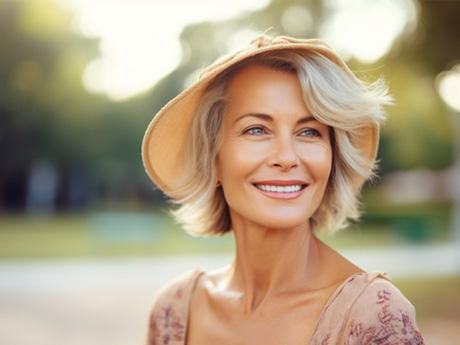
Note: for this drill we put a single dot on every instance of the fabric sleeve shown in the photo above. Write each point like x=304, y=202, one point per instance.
x=151, y=328
x=167, y=318
x=166, y=324
x=382, y=315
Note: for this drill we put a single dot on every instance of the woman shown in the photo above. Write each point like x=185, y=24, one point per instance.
x=273, y=144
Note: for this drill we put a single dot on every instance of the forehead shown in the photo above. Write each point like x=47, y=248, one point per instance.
x=259, y=88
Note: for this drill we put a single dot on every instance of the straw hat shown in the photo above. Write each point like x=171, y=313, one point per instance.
x=164, y=140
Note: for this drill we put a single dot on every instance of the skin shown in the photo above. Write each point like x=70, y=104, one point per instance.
x=282, y=275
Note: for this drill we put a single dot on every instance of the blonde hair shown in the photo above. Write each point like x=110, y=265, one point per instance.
x=334, y=97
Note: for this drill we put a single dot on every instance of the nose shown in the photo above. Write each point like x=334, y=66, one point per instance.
x=284, y=155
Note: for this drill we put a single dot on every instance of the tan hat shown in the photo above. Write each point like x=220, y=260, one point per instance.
x=164, y=139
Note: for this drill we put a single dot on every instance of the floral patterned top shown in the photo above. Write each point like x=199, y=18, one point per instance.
x=366, y=309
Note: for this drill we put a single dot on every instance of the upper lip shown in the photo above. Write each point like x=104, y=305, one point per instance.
x=281, y=182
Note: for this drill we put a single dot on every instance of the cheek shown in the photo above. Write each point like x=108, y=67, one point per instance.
x=238, y=158
x=319, y=160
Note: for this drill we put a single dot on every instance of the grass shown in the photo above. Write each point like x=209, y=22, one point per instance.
x=433, y=298
x=98, y=234
x=102, y=234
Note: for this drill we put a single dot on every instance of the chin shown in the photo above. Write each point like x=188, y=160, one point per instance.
x=282, y=222
x=273, y=217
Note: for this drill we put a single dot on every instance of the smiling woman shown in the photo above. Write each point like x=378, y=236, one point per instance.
x=273, y=145
x=328, y=92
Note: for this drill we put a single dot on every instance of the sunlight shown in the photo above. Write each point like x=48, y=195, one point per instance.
x=366, y=30
x=448, y=84
x=139, y=40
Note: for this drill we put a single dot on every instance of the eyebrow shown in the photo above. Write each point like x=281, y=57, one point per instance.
x=268, y=118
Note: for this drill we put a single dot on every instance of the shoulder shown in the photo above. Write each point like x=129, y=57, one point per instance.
x=382, y=314
x=168, y=312
x=176, y=288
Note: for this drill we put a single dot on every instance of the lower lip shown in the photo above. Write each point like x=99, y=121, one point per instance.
x=281, y=195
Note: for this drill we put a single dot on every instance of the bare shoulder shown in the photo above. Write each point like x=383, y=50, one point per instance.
x=175, y=288
x=382, y=312
x=213, y=277
x=210, y=284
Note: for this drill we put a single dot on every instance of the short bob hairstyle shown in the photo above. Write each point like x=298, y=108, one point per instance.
x=332, y=96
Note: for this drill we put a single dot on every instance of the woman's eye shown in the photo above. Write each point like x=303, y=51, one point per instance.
x=255, y=130
x=311, y=132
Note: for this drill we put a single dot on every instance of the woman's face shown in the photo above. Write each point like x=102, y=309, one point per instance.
x=275, y=159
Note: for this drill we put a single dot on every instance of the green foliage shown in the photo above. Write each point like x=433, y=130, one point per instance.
x=40, y=91
x=46, y=113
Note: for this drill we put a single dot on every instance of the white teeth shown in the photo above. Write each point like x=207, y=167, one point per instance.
x=279, y=189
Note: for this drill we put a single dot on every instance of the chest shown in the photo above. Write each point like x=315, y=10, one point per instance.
x=287, y=331
x=289, y=323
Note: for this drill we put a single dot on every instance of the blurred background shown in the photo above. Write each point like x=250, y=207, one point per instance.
x=85, y=239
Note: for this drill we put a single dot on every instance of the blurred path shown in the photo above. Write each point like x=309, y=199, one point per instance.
x=107, y=300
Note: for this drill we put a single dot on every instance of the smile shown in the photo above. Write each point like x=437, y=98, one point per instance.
x=281, y=192
x=279, y=189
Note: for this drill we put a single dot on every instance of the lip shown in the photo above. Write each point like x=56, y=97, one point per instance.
x=279, y=195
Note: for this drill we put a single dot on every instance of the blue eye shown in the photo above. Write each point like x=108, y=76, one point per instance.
x=312, y=132
x=255, y=130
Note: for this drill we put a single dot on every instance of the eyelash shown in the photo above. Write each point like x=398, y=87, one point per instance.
x=317, y=133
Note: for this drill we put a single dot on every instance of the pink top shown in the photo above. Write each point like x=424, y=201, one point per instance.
x=365, y=309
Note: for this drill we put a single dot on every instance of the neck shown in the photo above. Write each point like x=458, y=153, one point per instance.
x=270, y=261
